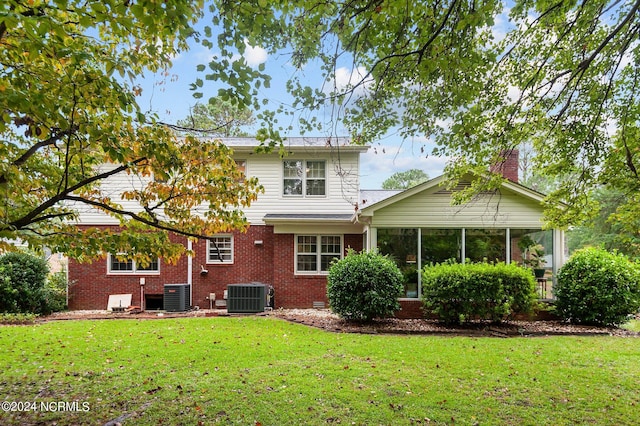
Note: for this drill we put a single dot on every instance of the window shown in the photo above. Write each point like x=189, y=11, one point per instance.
x=116, y=266
x=440, y=245
x=314, y=253
x=242, y=167
x=523, y=239
x=304, y=178
x=414, y=248
x=220, y=249
x=488, y=245
x=401, y=244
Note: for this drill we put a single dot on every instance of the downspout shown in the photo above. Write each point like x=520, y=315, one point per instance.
x=66, y=270
x=190, y=269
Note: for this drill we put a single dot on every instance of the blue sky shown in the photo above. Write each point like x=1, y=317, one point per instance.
x=170, y=97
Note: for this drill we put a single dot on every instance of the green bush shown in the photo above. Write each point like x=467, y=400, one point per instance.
x=364, y=286
x=22, y=281
x=598, y=287
x=55, y=291
x=458, y=293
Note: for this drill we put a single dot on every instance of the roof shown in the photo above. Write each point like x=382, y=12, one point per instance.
x=372, y=196
x=369, y=208
x=302, y=217
x=298, y=143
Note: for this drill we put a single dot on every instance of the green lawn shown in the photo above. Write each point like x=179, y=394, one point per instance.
x=260, y=370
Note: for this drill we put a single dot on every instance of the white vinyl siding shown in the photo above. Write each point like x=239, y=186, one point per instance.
x=341, y=191
x=341, y=186
x=434, y=210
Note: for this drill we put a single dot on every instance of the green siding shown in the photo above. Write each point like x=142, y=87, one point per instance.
x=431, y=209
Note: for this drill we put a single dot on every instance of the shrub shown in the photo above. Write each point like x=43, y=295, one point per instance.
x=598, y=287
x=22, y=280
x=55, y=291
x=364, y=286
x=457, y=293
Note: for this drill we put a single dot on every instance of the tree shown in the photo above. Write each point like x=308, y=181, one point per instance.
x=476, y=77
x=611, y=229
x=217, y=118
x=405, y=180
x=69, y=121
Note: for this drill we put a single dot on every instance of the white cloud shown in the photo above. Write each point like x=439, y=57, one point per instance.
x=254, y=55
x=345, y=79
x=381, y=161
x=501, y=25
x=204, y=56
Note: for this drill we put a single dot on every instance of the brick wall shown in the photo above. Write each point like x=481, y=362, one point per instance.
x=271, y=262
x=90, y=285
x=508, y=165
x=410, y=309
x=300, y=291
x=252, y=263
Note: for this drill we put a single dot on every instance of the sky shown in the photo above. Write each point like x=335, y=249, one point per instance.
x=169, y=96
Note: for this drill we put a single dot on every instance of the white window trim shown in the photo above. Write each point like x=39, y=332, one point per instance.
x=134, y=271
x=217, y=261
x=318, y=253
x=304, y=180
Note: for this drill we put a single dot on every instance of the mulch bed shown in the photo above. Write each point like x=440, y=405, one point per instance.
x=326, y=320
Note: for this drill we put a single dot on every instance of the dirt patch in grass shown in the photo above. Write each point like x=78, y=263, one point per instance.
x=326, y=320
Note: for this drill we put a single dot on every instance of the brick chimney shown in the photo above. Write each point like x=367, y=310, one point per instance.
x=507, y=164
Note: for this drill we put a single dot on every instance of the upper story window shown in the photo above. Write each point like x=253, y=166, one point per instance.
x=304, y=178
x=242, y=166
x=220, y=249
x=116, y=266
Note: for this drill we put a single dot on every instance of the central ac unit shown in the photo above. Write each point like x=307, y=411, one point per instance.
x=246, y=298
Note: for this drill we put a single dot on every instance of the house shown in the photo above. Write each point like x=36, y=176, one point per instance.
x=301, y=222
x=420, y=226
x=313, y=211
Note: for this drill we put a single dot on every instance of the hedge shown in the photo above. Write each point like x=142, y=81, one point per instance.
x=458, y=293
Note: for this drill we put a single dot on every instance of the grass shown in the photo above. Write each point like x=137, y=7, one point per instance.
x=257, y=370
x=633, y=325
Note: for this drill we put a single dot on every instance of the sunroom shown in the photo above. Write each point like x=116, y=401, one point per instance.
x=420, y=226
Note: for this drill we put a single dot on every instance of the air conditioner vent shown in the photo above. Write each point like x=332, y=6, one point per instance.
x=177, y=297
x=246, y=298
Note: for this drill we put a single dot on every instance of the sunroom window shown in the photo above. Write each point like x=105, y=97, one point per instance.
x=414, y=248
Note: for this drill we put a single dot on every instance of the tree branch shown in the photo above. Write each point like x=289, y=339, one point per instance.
x=64, y=195
x=141, y=219
x=34, y=148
